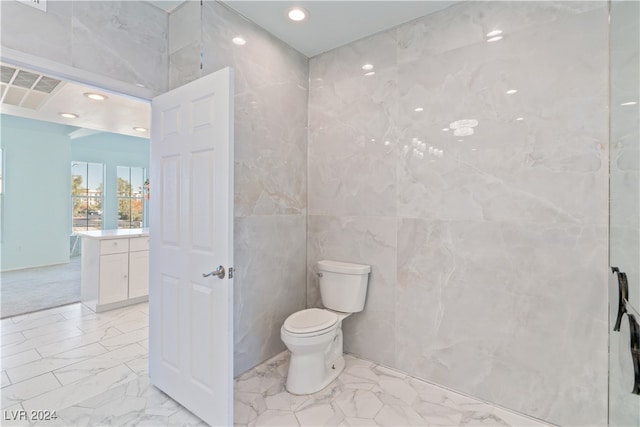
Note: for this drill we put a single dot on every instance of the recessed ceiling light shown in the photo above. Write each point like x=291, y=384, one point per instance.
x=445, y=130
x=95, y=96
x=494, y=33
x=511, y=91
x=520, y=119
x=418, y=109
x=370, y=73
x=625, y=104
x=297, y=14
x=69, y=115
x=239, y=41
x=494, y=39
x=140, y=85
x=367, y=67
x=140, y=129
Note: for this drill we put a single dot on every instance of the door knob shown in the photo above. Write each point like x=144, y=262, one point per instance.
x=217, y=272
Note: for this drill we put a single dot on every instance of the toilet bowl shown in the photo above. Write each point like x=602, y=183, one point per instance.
x=314, y=336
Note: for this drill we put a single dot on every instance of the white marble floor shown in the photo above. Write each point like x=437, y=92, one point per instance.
x=91, y=369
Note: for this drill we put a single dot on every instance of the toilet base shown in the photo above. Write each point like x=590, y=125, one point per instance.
x=331, y=374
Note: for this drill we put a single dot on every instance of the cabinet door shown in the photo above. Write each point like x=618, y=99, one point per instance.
x=138, y=274
x=114, y=278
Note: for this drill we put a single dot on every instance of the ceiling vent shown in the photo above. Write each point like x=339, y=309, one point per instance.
x=24, y=88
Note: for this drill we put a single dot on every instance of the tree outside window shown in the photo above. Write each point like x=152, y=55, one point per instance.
x=130, y=187
x=87, y=182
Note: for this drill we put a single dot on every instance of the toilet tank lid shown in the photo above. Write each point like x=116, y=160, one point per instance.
x=343, y=267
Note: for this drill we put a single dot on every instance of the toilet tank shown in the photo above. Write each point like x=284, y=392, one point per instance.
x=343, y=285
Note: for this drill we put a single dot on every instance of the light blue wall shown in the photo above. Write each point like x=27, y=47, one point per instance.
x=112, y=150
x=36, y=208
x=37, y=175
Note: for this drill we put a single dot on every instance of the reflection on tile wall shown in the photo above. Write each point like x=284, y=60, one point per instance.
x=123, y=40
x=483, y=211
x=271, y=93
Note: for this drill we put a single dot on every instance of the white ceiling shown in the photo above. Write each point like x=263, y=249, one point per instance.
x=331, y=23
x=116, y=114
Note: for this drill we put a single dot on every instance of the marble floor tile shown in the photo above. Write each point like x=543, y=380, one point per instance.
x=75, y=341
x=18, y=359
x=12, y=338
x=125, y=339
x=80, y=391
x=90, y=367
x=28, y=389
x=5, y=379
x=12, y=415
x=55, y=338
x=48, y=364
x=98, y=375
x=11, y=326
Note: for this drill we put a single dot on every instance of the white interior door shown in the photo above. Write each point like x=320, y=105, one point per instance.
x=191, y=234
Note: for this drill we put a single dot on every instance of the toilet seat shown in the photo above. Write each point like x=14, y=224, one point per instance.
x=311, y=321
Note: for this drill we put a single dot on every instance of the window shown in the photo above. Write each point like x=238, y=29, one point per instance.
x=130, y=197
x=87, y=183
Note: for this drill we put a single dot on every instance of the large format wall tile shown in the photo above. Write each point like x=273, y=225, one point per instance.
x=269, y=283
x=46, y=35
x=271, y=82
x=127, y=40
x=505, y=306
x=361, y=240
x=185, y=26
x=501, y=232
x=122, y=40
x=542, y=168
x=263, y=60
x=462, y=24
x=271, y=156
x=352, y=124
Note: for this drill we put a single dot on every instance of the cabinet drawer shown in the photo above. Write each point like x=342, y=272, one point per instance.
x=114, y=246
x=139, y=244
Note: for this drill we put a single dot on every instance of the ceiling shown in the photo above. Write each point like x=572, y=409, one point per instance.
x=330, y=23
x=29, y=94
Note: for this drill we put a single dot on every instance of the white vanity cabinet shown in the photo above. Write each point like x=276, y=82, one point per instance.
x=114, y=268
x=139, y=267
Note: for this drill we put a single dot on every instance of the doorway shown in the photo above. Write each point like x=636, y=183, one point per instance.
x=62, y=150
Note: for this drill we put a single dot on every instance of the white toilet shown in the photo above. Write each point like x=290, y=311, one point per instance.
x=314, y=336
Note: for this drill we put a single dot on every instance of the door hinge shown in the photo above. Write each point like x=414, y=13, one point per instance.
x=230, y=272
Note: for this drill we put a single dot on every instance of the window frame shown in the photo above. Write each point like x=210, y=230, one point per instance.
x=87, y=197
x=133, y=196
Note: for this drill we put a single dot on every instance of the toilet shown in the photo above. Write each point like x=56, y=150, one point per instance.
x=314, y=336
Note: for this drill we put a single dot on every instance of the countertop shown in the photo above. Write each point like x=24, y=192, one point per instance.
x=114, y=234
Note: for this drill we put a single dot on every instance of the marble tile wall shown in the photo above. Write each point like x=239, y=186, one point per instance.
x=488, y=250
x=271, y=94
x=123, y=40
x=624, y=407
